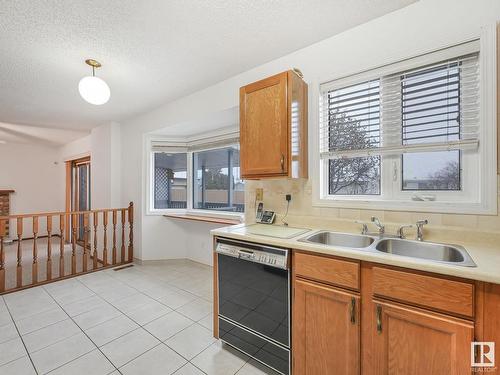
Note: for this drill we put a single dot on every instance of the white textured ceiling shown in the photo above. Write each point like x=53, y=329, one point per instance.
x=152, y=51
x=13, y=133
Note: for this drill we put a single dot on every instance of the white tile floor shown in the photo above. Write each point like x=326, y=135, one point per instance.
x=146, y=319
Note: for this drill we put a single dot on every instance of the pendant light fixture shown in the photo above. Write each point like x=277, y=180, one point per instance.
x=93, y=89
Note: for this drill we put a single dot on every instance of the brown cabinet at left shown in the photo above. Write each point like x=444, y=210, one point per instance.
x=273, y=127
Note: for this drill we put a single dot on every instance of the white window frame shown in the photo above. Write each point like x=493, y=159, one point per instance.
x=481, y=167
x=223, y=139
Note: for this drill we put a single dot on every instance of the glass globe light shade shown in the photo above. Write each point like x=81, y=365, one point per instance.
x=94, y=90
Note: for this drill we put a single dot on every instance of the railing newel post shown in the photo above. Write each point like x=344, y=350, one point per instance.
x=131, y=232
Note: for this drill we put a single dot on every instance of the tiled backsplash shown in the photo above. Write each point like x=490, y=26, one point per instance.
x=442, y=227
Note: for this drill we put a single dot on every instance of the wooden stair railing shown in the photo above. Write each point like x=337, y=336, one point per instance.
x=88, y=245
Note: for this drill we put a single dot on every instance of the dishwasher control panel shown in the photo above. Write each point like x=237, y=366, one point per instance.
x=271, y=256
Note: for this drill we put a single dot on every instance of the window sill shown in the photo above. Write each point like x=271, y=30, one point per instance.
x=202, y=218
x=411, y=206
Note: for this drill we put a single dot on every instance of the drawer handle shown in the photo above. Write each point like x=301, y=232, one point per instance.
x=352, y=310
x=379, y=319
x=282, y=162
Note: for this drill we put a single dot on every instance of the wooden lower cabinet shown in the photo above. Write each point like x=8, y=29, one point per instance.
x=404, y=322
x=325, y=329
x=411, y=341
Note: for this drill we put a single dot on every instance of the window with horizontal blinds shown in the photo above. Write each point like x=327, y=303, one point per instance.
x=353, y=117
x=433, y=108
x=431, y=105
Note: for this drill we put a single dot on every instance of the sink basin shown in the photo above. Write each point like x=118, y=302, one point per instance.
x=452, y=254
x=356, y=241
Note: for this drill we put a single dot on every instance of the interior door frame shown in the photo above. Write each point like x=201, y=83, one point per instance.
x=69, y=166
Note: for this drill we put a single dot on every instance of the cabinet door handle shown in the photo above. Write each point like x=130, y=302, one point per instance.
x=282, y=162
x=352, y=310
x=379, y=319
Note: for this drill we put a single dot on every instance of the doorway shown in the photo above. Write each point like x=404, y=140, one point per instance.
x=78, y=192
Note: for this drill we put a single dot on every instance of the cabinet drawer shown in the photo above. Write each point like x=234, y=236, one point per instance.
x=423, y=290
x=338, y=272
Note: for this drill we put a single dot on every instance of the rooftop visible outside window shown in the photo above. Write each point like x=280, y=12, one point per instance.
x=217, y=184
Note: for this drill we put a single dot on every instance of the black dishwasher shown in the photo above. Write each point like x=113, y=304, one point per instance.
x=254, y=301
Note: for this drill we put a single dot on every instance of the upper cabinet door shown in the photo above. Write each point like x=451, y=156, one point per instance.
x=273, y=127
x=413, y=342
x=264, y=127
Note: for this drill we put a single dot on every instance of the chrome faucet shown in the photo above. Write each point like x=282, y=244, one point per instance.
x=381, y=228
x=364, y=229
x=401, y=233
x=420, y=229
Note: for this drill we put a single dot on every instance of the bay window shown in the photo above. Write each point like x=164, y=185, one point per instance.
x=217, y=184
x=196, y=175
x=170, y=180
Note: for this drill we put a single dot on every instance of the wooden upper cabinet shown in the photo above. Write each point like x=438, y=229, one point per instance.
x=414, y=342
x=326, y=330
x=273, y=127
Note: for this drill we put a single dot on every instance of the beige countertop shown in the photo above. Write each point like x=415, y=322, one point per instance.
x=486, y=257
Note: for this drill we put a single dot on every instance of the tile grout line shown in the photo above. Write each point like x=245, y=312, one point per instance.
x=153, y=277
x=140, y=326
x=20, y=337
x=112, y=364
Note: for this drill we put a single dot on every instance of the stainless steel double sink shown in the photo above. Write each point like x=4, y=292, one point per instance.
x=436, y=252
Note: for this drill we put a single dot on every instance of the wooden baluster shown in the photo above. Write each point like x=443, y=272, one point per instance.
x=34, y=267
x=19, y=268
x=49, y=247
x=123, y=213
x=96, y=222
x=2, y=256
x=85, y=241
x=74, y=224
x=114, y=236
x=105, y=248
x=62, y=220
x=131, y=232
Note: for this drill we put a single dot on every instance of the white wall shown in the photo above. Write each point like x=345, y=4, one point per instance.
x=105, y=166
x=421, y=27
x=35, y=173
x=74, y=150
x=103, y=145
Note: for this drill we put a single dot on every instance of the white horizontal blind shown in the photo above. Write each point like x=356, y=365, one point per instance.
x=351, y=118
x=210, y=144
x=198, y=144
x=164, y=146
x=427, y=109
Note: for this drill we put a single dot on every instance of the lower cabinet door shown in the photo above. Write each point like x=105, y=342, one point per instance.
x=325, y=330
x=410, y=341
